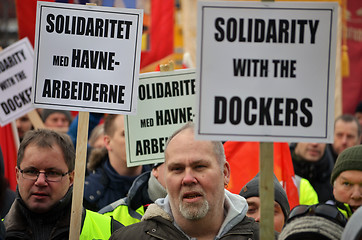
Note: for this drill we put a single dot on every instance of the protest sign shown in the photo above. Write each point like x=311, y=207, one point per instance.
x=166, y=102
x=16, y=75
x=87, y=58
x=266, y=71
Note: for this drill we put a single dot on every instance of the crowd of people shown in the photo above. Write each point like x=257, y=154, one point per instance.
x=183, y=197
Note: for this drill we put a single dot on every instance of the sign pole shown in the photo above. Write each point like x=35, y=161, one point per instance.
x=266, y=187
x=78, y=184
x=266, y=190
x=36, y=119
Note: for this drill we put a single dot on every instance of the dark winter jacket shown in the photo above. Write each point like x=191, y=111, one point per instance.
x=21, y=223
x=317, y=173
x=104, y=185
x=130, y=209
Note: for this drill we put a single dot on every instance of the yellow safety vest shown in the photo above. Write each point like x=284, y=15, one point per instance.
x=122, y=215
x=347, y=212
x=307, y=194
x=96, y=226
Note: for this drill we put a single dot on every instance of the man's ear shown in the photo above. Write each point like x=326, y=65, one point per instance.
x=71, y=177
x=107, y=141
x=226, y=173
x=18, y=173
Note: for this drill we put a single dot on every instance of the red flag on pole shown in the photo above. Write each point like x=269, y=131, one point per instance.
x=9, y=149
x=243, y=158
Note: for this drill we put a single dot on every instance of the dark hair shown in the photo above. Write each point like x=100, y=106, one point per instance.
x=46, y=138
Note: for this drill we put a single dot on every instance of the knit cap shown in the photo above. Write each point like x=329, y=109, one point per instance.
x=251, y=189
x=311, y=227
x=46, y=112
x=349, y=159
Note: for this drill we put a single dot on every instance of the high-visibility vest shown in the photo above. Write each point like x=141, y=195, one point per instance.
x=96, y=226
x=123, y=214
x=347, y=212
x=307, y=194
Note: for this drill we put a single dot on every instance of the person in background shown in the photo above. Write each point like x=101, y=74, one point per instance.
x=96, y=139
x=7, y=196
x=281, y=205
x=58, y=120
x=146, y=189
x=313, y=162
x=23, y=124
x=197, y=205
x=353, y=229
x=314, y=222
x=358, y=113
x=347, y=133
x=94, y=120
x=109, y=177
x=45, y=175
x=346, y=179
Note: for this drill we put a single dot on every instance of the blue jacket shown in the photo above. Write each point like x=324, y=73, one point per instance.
x=104, y=186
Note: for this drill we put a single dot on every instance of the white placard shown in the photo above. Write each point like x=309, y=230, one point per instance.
x=87, y=58
x=266, y=71
x=166, y=102
x=16, y=76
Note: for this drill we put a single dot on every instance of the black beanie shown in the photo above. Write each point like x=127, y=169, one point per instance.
x=46, y=112
x=251, y=189
x=349, y=159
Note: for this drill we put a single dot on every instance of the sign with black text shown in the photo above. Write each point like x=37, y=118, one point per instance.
x=87, y=58
x=266, y=71
x=16, y=76
x=166, y=102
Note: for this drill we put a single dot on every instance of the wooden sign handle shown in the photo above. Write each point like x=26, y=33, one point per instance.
x=35, y=119
x=78, y=185
x=266, y=190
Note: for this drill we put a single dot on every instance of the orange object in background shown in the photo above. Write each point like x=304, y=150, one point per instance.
x=243, y=158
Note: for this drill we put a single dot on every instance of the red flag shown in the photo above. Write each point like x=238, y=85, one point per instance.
x=243, y=158
x=159, y=26
x=352, y=85
x=160, y=32
x=8, y=147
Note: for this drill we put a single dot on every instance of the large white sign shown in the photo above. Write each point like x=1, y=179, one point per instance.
x=16, y=76
x=266, y=71
x=87, y=58
x=166, y=102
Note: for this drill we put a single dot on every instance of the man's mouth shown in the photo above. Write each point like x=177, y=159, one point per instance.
x=40, y=194
x=191, y=196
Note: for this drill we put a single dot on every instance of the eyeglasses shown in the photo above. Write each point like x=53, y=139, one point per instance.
x=323, y=210
x=50, y=176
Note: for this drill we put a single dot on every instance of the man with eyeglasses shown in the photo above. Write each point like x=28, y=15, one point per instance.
x=45, y=175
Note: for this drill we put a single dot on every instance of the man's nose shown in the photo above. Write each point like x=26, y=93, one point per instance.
x=257, y=219
x=344, y=139
x=356, y=192
x=189, y=178
x=41, y=180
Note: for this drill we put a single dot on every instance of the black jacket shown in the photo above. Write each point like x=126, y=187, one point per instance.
x=317, y=173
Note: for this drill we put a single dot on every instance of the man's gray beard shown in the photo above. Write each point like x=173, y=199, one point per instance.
x=193, y=212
